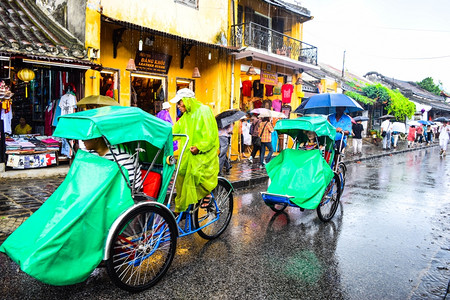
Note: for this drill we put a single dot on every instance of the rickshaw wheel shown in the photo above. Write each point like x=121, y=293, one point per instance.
x=143, y=248
x=219, y=212
x=330, y=200
x=342, y=170
x=279, y=207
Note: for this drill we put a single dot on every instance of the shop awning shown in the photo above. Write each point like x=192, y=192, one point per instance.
x=274, y=59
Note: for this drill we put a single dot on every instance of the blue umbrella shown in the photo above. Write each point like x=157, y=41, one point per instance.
x=423, y=122
x=327, y=103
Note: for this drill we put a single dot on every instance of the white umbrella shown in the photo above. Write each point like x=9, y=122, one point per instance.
x=399, y=127
x=264, y=112
x=272, y=114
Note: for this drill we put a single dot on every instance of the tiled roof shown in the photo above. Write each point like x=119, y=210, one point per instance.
x=413, y=91
x=26, y=30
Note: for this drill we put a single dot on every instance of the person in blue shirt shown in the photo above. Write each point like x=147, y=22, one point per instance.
x=343, y=125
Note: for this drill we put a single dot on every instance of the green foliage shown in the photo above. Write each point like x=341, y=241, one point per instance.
x=356, y=84
x=360, y=98
x=428, y=84
x=400, y=106
x=377, y=92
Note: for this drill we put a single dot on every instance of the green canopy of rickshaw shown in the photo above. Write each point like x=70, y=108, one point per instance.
x=296, y=128
x=118, y=124
x=318, y=124
x=299, y=173
x=130, y=126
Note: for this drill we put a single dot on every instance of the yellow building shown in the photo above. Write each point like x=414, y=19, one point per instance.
x=150, y=49
x=166, y=41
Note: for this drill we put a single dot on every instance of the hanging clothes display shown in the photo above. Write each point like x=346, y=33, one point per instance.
x=48, y=119
x=276, y=104
x=6, y=116
x=286, y=92
x=68, y=103
x=247, y=88
x=258, y=89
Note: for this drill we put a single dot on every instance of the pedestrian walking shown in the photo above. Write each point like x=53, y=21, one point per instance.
x=165, y=116
x=386, y=134
x=265, y=132
x=444, y=137
x=256, y=139
x=224, y=141
x=357, y=130
x=419, y=134
x=429, y=134
x=411, y=136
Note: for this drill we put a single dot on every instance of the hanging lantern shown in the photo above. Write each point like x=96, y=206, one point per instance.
x=26, y=75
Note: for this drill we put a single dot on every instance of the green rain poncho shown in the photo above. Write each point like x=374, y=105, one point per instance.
x=197, y=176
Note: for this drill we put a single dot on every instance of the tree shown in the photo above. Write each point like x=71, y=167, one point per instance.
x=428, y=84
x=400, y=106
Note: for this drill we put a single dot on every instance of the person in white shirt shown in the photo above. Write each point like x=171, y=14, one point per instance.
x=444, y=137
x=386, y=134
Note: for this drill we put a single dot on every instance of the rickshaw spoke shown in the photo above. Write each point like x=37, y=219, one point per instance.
x=143, y=247
x=213, y=220
x=330, y=200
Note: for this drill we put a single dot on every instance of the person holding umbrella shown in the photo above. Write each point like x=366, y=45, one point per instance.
x=386, y=133
x=225, y=122
x=343, y=125
x=444, y=137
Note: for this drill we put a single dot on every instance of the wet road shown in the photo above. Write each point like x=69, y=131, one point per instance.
x=390, y=239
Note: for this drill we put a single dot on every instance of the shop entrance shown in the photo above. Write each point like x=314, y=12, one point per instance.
x=109, y=86
x=148, y=92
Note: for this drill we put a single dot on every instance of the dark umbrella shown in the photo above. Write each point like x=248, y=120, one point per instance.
x=387, y=117
x=228, y=117
x=441, y=119
x=360, y=118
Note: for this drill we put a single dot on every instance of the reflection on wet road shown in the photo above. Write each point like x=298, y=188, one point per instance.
x=390, y=239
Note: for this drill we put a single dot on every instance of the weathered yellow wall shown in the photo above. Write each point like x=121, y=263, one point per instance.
x=211, y=89
x=202, y=24
x=92, y=78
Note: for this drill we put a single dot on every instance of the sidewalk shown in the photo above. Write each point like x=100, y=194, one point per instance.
x=242, y=174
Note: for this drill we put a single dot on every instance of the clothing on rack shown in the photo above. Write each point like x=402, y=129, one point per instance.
x=6, y=117
x=247, y=88
x=68, y=103
x=276, y=104
x=258, y=89
x=286, y=92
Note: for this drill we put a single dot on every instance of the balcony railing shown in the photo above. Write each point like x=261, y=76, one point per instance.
x=260, y=37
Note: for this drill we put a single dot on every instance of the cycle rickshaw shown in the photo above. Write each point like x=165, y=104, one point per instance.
x=306, y=179
x=96, y=215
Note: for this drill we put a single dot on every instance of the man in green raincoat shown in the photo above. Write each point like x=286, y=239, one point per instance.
x=199, y=167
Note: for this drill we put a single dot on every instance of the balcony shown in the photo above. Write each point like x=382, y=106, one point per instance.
x=262, y=38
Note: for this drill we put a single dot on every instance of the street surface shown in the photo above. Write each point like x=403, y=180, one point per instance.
x=390, y=239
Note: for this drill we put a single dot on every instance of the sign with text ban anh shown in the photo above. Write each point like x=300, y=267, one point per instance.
x=153, y=62
x=268, y=77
